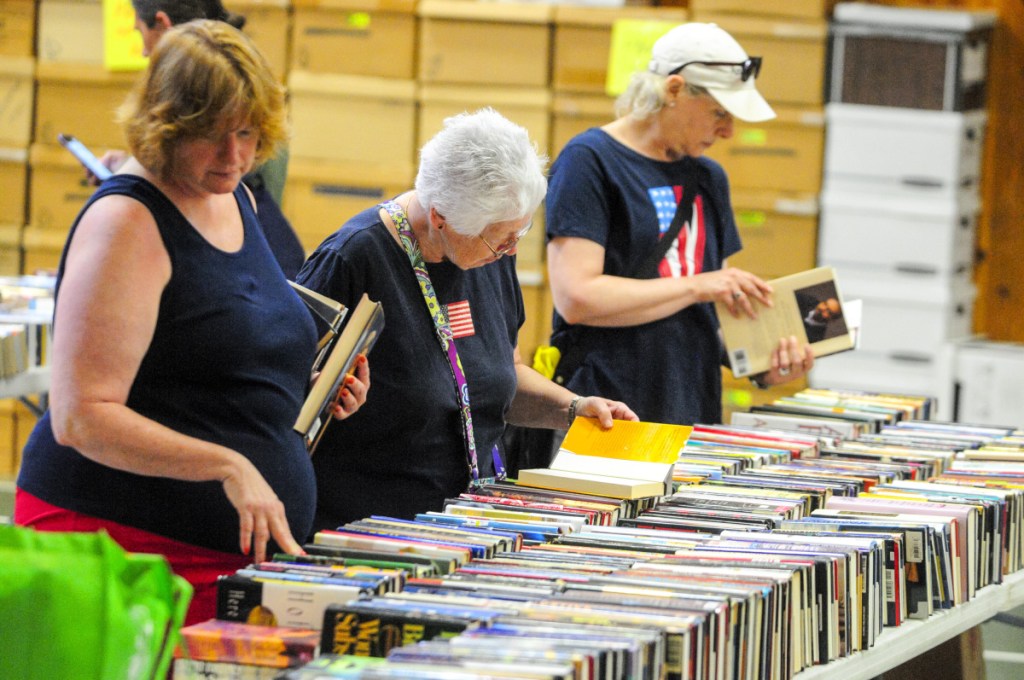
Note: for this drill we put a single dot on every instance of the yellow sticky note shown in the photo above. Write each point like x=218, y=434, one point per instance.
x=627, y=440
x=632, y=40
x=122, y=44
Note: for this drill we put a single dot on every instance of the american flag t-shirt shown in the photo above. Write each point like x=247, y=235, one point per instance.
x=460, y=318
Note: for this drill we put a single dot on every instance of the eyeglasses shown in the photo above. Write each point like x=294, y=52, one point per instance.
x=509, y=244
x=749, y=68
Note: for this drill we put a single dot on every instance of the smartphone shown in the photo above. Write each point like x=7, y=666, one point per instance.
x=84, y=156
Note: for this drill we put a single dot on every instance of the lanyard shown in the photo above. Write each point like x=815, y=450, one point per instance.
x=444, y=337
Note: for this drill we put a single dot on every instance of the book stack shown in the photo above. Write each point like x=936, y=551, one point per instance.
x=777, y=546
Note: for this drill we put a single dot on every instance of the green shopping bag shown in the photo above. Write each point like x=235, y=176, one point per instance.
x=76, y=605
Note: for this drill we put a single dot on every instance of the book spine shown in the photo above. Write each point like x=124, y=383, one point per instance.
x=346, y=631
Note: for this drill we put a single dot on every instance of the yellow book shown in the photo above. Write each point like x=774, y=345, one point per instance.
x=631, y=460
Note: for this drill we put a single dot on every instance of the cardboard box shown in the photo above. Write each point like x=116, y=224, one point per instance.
x=17, y=28
x=25, y=421
x=739, y=394
x=354, y=119
x=70, y=31
x=572, y=114
x=531, y=249
x=499, y=43
x=797, y=9
x=42, y=248
x=778, y=230
x=914, y=234
x=57, y=189
x=96, y=94
x=902, y=374
x=908, y=315
x=785, y=154
x=16, y=97
x=793, y=71
x=13, y=185
x=897, y=56
x=10, y=249
x=321, y=196
x=582, y=38
x=528, y=107
x=357, y=37
x=902, y=151
x=537, y=329
x=8, y=439
x=268, y=23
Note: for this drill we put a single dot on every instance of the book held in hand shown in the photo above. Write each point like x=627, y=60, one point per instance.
x=356, y=338
x=807, y=305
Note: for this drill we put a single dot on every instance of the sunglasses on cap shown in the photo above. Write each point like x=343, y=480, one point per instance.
x=749, y=67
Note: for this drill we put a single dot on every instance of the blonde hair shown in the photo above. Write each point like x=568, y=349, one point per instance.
x=203, y=77
x=645, y=95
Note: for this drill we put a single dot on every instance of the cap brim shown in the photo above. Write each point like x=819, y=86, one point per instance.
x=747, y=104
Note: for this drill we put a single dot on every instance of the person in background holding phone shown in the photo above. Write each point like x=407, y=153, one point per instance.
x=651, y=339
x=447, y=370
x=152, y=19
x=181, y=356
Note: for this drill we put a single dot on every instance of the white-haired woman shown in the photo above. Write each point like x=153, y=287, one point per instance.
x=447, y=372
x=636, y=319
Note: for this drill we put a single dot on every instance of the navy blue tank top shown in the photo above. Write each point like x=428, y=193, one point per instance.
x=229, y=363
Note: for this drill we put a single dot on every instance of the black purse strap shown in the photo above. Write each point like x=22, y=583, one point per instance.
x=573, y=354
x=683, y=210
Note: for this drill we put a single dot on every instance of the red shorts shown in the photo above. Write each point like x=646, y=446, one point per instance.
x=199, y=566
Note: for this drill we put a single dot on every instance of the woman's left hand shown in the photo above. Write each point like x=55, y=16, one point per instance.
x=352, y=393
x=789, y=362
x=605, y=410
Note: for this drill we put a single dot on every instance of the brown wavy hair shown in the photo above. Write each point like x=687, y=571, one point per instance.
x=204, y=78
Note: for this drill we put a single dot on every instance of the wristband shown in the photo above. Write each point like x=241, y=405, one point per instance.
x=572, y=408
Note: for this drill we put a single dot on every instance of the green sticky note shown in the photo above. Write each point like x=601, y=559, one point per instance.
x=359, y=20
x=739, y=398
x=122, y=44
x=751, y=218
x=754, y=136
x=632, y=40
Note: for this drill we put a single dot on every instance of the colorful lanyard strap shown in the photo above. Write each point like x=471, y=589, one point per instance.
x=444, y=336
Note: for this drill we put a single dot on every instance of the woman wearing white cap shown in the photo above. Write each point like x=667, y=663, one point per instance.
x=634, y=320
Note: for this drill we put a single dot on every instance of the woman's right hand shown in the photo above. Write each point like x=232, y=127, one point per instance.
x=734, y=288
x=261, y=514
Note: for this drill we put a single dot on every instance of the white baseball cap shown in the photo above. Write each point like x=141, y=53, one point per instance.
x=712, y=59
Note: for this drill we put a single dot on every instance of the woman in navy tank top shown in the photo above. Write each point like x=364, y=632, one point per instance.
x=181, y=356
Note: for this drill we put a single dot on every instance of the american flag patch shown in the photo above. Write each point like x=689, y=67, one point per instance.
x=460, y=319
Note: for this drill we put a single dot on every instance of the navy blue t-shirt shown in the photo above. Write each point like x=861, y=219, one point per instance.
x=403, y=452
x=229, y=363
x=667, y=370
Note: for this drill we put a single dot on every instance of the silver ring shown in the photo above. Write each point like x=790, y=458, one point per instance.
x=737, y=295
x=783, y=371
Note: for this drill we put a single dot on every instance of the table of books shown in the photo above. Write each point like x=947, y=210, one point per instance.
x=773, y=553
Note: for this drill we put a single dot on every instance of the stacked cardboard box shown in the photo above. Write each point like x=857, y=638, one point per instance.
x=775, y=167
x=353, y=106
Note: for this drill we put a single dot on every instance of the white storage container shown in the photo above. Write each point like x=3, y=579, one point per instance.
x=904, y=151
x=910, y=234
x=908, y=315
x=989, y=376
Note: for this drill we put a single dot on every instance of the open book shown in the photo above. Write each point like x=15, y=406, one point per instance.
x=807, y=305
x=357, y=337
x=631, y=460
